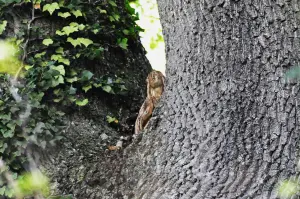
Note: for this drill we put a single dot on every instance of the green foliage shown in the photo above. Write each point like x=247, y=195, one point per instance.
x=55, y=72
x=110, y=119
x=64, y=15
x=155, y=41
x=82, y=102
x=79, y=41
x=77, y=13
x=111, y=2
x=47, y=42
x=51, y=7
x=73, y=27
x=288, y=188
x=30, y=183
x=123, y=43
x=3, y=26
x=152, y=38
x=41, y=128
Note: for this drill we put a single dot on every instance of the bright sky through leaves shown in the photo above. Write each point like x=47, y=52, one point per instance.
x=152, y=37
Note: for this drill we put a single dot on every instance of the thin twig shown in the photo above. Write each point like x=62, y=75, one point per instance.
x=35, y=51
x=19, y=4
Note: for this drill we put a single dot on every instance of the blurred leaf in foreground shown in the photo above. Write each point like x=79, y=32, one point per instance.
x=293, y=73
x=9, y=62
x=287, y=188
x=34, y=182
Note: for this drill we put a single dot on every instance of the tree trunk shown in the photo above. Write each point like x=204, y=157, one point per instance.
x=227, y=125
x=230, y=123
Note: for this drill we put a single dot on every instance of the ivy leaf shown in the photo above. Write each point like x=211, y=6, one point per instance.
x=102, y=11
x=3, y=147
x=86, y=88
x=110, y=119
x=3, y=26
x=123, y=88
x=112, y=3
x=57, y=99
x=64, y=15
x=73, y=24
x=9, y=192
x=123, y=43
x=39, y=55
x=86, y=75
x=71, y=80
x=2, y=190
x=14, y=176
x=116, y=17
x=74, y=42
x=98, y=51
x=59, y=50
x=107, y=89
x=19, y=41
x=60, y=33
x=95, y=31
x=72, y=90
x=60, y=59
x=60, y=79
x=27, y=67
x=69, y=29
x=5, y=116
x=82, y=103
x=111, y=18
x=85, y=41
x=57, y=92
x=72, y=98
x=51, y=7
x=11, y=125
x=47, y=42
x=73, y=72
x=126, y=32
x=97, y=85
x=61, y=3
x=8, y=134
x=60, y=69
x=81, y=26
x=76, y=13
x=56, y=57
x=64, y=61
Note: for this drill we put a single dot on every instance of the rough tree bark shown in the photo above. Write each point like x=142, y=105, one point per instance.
x=227, y=125
x=230, y=123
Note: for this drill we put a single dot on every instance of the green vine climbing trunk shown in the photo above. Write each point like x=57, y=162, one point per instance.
x=81, y=64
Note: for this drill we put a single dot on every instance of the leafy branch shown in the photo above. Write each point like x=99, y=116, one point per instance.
x=51, y=72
